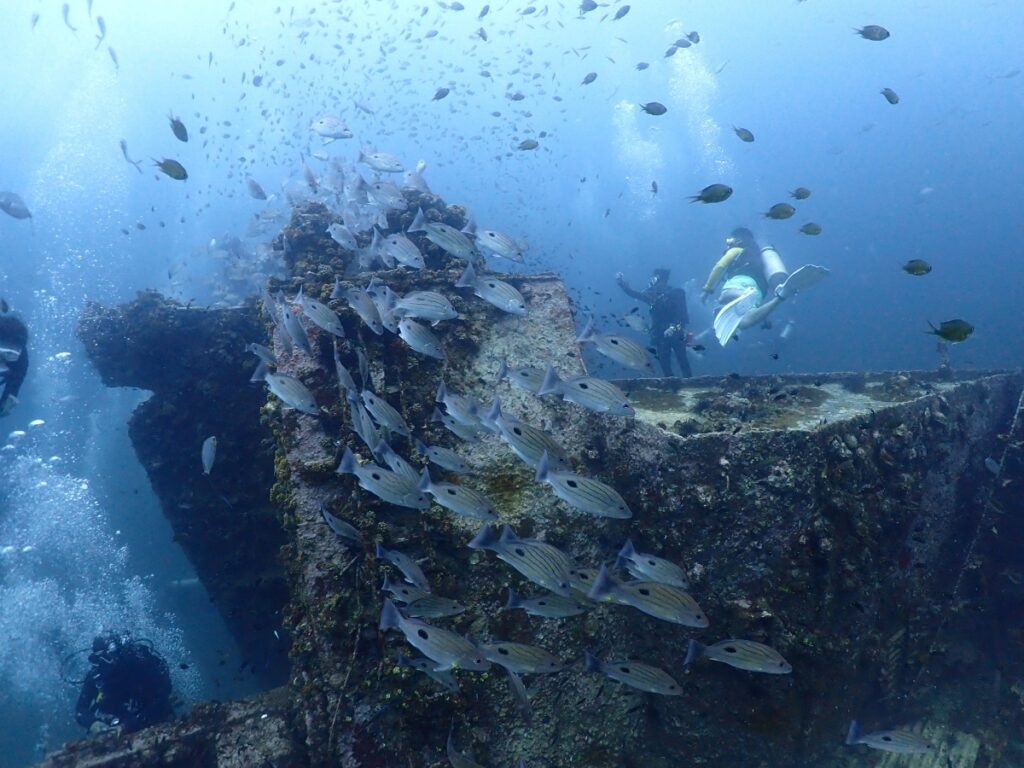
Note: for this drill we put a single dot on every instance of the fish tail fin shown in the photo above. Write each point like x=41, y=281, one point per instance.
x=425, y=481
x=348, y=463
x=514, y=601
x=437, y=415
x=507, y=535
x=260, y=374
x=421, y=447
x=442, y=393
x=388, y=584
x=853, y=734
x=502, y=371
x=542, y=468
x=591, y=663
x=390, y=618
x=379, y=552
x=587, y=334
x=626, y=553
x=494, y=412
x=603, y=585
x=467, y=279
x=417, y=221
x=486, y=538
x=550, y=383
x=693, y=652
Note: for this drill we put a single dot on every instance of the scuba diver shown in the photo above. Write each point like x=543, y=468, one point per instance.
x=129, y=685
x=669, y=319
x=755, y=283
x=13, y=357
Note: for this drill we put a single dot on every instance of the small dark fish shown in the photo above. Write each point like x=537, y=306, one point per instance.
x=440, y=93
x=587, y=6
x=172, y=168
x=654, y=188
x=682, y=42
x=591, y=77
x=103, y=32
x=621, y=12
x=654, y=108
x=890, y=95
x=178, y=128
x=529, y=144
x=744, y=134
x=642, y=66
x=780, y=211
x=671, y=51
x=917, y=267
x=713, y=193
x=810, y=228
x=698, y=348
x=693, y=37
x=12, y=204
x=35, y=20
x=65, y=10
x=113, y=58
x=800, y=193
x=952, y=330
x=873, y=32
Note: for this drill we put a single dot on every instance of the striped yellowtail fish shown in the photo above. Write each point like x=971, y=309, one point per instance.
x=742, y=654
x=583, y=493
x=643, y=677
x=661, y=601
x=538, y=561
x=448, y=649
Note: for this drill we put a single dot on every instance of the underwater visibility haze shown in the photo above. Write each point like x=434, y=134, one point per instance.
x=514, y=306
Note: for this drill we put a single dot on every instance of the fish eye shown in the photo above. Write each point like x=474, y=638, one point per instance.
x=423, y=633
x=624, y=670
x=730, y=649
x=503, y=651
x=644, y=592
x=375, y=476
x=887, y=738
x=520, y=552
x=572, y=483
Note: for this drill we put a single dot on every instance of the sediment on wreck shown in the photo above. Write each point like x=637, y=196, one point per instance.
x=194, y=362
x=832, y=517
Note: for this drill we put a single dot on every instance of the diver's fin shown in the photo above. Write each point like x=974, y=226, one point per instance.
x=730, y=316
x=805, y=277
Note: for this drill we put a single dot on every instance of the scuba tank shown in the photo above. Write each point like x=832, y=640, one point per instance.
x=775, y=273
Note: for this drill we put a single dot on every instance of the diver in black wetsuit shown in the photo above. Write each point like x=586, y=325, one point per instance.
x=129, y=685
x=13, y=357
x=669, y=319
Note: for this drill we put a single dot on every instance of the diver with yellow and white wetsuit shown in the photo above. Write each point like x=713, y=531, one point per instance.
x=754, y=281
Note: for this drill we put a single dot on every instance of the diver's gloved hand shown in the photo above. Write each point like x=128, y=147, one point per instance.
x=621, y=279
x=673, y=331
x=8, y=406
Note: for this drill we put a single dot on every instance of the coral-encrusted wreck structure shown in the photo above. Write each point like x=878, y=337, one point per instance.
x=866, y=526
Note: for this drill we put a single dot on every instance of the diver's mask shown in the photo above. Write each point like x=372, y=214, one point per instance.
x=731, y=242
x=9, y=354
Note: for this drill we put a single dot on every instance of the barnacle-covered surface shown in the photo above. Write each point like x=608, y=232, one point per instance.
x=848, y=520
x=194, y=362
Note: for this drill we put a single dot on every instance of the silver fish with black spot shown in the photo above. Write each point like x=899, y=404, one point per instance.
x=360, y=302
x=434, y=607
x=445, y=458
x=405, y=593
x=343, y=236
x=395, y=463
x=524, y=659
x=341, y=527
x=429, y=306
x=383, y=483
x=527, y=442
x=643, y=677
x=899, y=741
x=527, y=377
x=501, y=245
x=742, y=654
x=295, y=330
x=586, y=391
x=381, y=161
x=345, y=380
x=410, y=568
x=292, y=392
x=321, y=315
x=445, y=679
x=385, y=414
x=362, y=422
x=263, y=353
x=520, y=696
x=538, y=561
x=622, y=349
x=547, y=606
x=457, y=428
x=583, y=493
x=495, y=292
x=447, y=649
x=661, y=601
x=421, y=339
x=459, y=499
x=403, y=250
x=463, y=409
x=445, y=237
x=648, y=567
